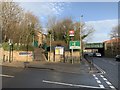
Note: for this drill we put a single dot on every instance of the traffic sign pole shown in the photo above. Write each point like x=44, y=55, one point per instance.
x=72, y=56
x=81, y=38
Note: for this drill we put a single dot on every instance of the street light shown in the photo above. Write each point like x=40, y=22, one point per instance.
x=81, y=37
x=10, y=45
x=50, y=46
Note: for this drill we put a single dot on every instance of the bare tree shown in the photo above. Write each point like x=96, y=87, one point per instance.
x=114, y=32
x=28, y=26
x=61, y=30
x=10, y=15
x=17, y=24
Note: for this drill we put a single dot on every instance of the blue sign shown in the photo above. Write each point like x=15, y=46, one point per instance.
x=25, y=53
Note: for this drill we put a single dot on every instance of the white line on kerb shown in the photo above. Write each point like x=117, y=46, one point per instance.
x=6, y=75
x=68, y=84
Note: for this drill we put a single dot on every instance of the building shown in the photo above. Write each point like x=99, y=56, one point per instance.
x=44, y=38
x=112, y=47
x=39, y=38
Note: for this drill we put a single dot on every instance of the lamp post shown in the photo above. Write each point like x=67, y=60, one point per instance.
x=81, y=37
x=50, y=46
x=9, y=49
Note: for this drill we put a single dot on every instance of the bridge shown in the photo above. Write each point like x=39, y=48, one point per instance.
x=99, y=47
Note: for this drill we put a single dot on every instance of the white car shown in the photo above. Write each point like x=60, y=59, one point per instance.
x=97, y=54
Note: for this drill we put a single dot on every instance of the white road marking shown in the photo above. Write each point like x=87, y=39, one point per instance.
x=104, y=79
x=112, y=87
x=94, y=75
x=101, y=70
x=102, y=76
x=101, y=86
x=67, y=84
x=98, y=81
x=108, y=83
x=96, y=78
x=112, y=63
x=6, y=75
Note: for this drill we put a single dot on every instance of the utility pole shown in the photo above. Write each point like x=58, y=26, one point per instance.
x=81, y=37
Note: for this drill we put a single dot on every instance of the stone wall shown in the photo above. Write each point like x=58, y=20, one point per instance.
x=17, y=56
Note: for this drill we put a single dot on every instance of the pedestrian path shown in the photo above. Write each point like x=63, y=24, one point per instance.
x=38, y=54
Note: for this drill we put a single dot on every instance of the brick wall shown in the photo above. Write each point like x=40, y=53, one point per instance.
x=112, y=47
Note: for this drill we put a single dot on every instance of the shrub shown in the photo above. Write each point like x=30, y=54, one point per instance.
x=5, y=46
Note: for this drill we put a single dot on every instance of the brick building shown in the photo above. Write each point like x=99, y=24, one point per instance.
x=112, y=47
x=39, y=38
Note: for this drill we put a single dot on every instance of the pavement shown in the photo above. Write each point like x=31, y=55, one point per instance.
x=41, y=63
x=77, y=68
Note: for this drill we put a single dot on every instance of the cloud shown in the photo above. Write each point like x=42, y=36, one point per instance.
x=65, y=0
x=43, y=8
x=102, y=29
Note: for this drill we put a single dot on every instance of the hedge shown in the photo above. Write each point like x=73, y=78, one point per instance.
x=6, y=47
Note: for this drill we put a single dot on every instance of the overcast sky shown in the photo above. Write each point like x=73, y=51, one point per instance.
x=102, y=16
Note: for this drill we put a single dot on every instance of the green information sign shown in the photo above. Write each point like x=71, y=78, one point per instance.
x=74, y=45
x=94, y=45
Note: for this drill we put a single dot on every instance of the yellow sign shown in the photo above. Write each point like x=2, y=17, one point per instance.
x=59, y=50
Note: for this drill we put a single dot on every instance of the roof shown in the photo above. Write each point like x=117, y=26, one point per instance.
x=112, y=40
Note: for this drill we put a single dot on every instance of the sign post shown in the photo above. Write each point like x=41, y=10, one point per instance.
x=74, y=45
x=72, y=56
x=71, y=33
x=59, y=52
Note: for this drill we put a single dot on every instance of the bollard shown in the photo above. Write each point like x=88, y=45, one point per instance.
x=25, y=64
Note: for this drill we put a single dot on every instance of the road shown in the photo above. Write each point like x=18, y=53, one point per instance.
x=110, y=66
x=37, y=78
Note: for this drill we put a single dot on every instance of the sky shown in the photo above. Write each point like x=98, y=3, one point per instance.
x=102, y=16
